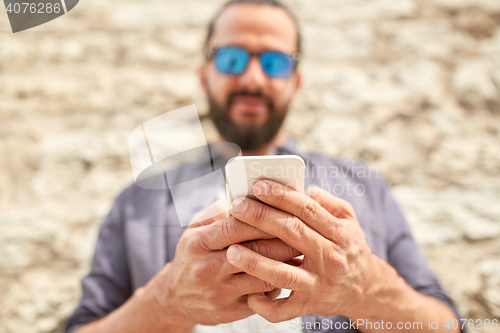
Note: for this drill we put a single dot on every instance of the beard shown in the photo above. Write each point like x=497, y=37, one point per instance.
x=247, y=137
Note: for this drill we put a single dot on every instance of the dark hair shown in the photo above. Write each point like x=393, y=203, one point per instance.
x=274, y=3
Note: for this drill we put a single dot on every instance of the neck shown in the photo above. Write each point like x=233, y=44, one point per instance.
x=265, y=149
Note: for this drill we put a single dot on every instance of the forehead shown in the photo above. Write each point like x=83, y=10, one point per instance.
x=256, y=27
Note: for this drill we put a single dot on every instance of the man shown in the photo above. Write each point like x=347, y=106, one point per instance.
x=359, y=265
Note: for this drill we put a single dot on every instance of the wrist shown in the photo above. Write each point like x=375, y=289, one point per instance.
x=160, y=301
x=382, y=288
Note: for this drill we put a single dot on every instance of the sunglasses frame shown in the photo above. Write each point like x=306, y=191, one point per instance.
x=210, y=53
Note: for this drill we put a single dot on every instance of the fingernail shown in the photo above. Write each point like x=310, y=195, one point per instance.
x=262, y=188
x=239, y=206
x=233, y=253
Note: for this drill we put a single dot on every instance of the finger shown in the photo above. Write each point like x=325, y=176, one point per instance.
x=283, y=225
x=274, y=249
x=228, y=231
x=296, y=203
x=273, y=294
x=334, y=205
x=214, y=212
x=244, y=284
x=274, y=272
x=213, y=263
x=295, y=261
x=276, y=311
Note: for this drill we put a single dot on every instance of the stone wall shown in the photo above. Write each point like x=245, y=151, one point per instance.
x=410, y=86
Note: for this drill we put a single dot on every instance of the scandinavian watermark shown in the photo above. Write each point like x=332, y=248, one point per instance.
x=365, y=324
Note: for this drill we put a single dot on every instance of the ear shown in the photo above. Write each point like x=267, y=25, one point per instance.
x=298, y=84
x=203, y=77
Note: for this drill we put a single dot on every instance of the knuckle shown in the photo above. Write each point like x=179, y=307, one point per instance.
x=214, y=296
x=260, y=247
x=294, y=227
x=336, y=260
x=282, y=195
x=290, y=251
x=251, y=264
x=259, y=213
x=183, y=241
x=197, y=243
x=229, y=228
x=199, y=273
x=266, y=286
x=309, y=210
x=205, y=270
x=331, y=230
x=343, y=236
x=286, y=278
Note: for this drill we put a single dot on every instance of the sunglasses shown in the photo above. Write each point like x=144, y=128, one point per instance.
x=233, y=60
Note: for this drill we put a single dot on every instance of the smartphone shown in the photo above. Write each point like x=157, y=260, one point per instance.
x=242, y=172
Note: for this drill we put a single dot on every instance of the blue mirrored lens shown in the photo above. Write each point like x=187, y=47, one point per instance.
x=277, y=64
x=231, y=60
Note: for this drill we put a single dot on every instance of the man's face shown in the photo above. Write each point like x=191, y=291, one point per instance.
x=249, y=108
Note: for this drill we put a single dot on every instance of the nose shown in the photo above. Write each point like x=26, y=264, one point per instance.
x=253, y=78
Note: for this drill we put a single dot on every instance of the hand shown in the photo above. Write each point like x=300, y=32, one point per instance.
x=199, y=286
x=333, y=277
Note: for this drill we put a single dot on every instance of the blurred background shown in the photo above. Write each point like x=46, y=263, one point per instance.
x=410, y=86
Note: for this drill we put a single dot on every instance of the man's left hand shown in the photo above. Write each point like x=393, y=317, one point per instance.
x=335, y=274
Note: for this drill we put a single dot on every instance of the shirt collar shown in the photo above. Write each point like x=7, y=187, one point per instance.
x=289, y=147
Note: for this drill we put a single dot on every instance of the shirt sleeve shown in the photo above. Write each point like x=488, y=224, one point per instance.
x=404, y=254
x=108, y=285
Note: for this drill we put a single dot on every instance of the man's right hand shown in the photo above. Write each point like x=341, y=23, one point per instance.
x=200, y=286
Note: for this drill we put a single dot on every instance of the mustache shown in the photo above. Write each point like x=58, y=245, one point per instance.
x=234, y=94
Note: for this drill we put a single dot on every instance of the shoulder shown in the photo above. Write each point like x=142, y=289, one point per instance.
x=135, y=198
